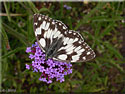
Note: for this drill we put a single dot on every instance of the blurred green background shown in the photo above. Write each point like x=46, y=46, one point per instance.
x=101, y=25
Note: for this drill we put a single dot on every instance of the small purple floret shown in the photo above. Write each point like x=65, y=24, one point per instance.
x=27, y=66
x=67, y=7
x=49, y=69
x=28, y=49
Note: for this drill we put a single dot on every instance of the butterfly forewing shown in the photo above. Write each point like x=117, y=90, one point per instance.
x=65, y=45
x=44, y=28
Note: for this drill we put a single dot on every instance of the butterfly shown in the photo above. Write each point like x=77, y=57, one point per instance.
x=60, y=43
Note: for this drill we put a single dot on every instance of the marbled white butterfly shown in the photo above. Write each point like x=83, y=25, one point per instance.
x=60, y=43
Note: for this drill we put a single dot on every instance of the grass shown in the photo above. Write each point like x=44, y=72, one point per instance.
x=99, y=24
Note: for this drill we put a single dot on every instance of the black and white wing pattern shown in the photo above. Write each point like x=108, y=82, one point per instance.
x=58, y=42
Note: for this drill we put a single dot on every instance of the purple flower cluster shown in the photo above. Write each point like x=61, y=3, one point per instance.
x=67, y=7
x=49, y=68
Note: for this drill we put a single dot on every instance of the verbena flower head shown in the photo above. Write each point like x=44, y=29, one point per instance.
x=49, y=68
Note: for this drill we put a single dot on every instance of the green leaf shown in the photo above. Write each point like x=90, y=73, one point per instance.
x=107, y=30
x=5, y=38
x=116, y=65
x=105, y=19
x=113, y=50
x=106, y=80
x=12, y=52
x=85, y=18
x=96, y=89
x=32, y=6
x=16, y=34
x=79, y=75
x=27, y=8
x=7, y=11
x=44, y=10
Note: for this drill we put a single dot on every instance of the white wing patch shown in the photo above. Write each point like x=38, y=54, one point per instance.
x=47, y=26
x=69, y=52
x=49, y=33
x=75, y=58
x=76, y=39
x=66, y=40
x=78, y=48
x=39, y=18
x=70, y=41
x=62, y=57
x=66, y=47
x=43, y=25
x=45, y=35
x=38, y=31
x=84, y=58
x=42, y=42
x=57, y=34
x=88, y=53
x=70, y=49
x=81, y=51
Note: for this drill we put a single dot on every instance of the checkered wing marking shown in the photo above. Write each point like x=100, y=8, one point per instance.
x=74, y=49
x=46, y=31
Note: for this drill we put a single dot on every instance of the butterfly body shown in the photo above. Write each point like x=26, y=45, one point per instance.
x=58, y=42
x=52, y=50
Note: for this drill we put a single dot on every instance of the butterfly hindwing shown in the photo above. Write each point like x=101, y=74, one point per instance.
x=74, y=49
x=57, y=41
